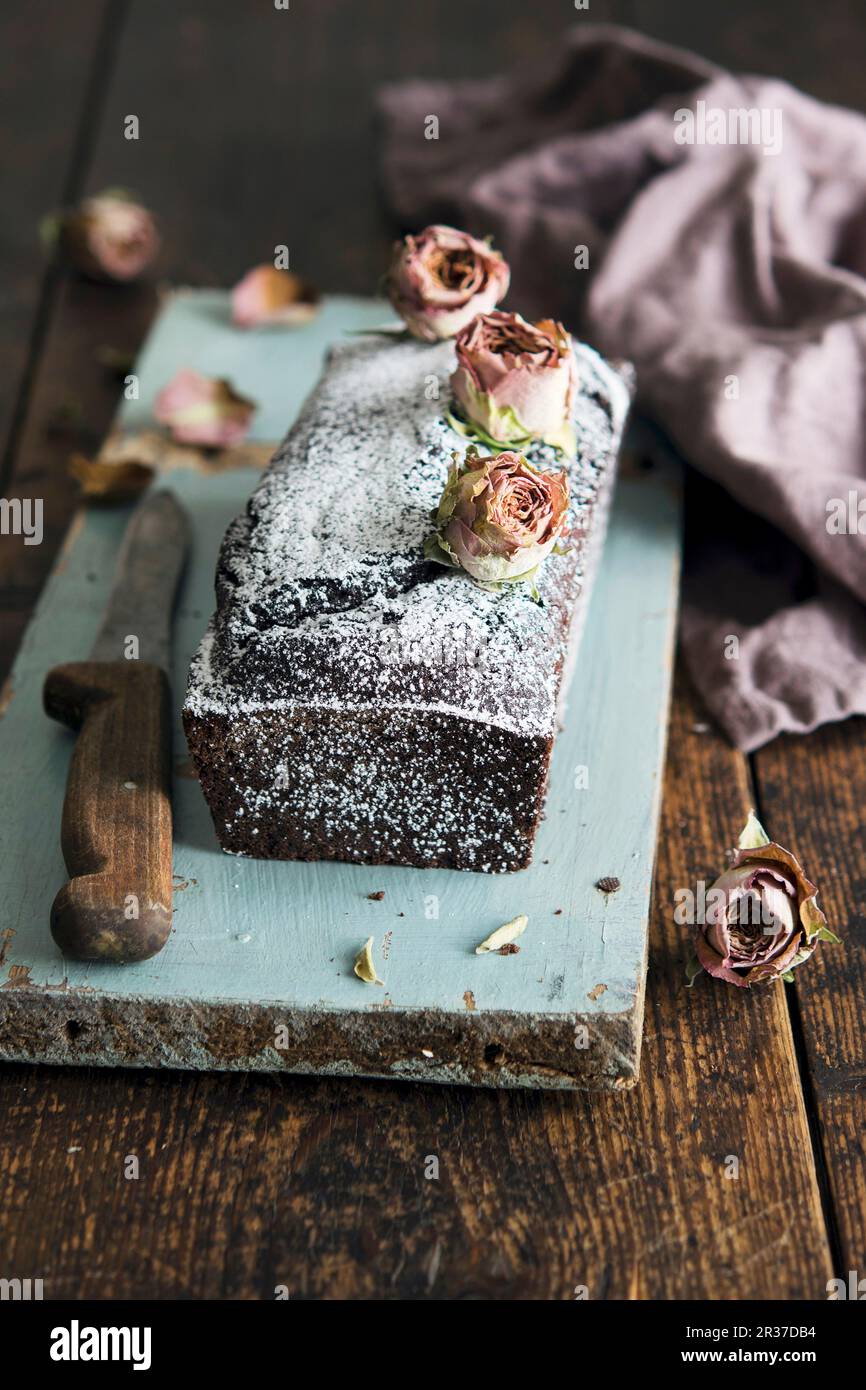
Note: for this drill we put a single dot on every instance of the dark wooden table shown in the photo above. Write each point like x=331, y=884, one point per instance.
x=257, y=128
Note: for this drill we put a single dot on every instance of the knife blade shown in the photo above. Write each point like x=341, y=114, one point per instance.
x=116, y=829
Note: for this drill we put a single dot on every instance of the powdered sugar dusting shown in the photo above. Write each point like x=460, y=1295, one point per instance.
x=324, y=597
x=352, y=700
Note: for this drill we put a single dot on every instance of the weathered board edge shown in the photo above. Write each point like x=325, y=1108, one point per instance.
x=549, y=1052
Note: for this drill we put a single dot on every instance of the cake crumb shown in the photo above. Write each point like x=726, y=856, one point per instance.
x=509, y=949
x=376, y=897
x=469, y=999
x=608, y=885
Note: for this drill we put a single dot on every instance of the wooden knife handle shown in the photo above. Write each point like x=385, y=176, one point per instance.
x=116, y=831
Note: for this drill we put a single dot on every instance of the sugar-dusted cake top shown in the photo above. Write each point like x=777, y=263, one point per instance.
x=324, y=597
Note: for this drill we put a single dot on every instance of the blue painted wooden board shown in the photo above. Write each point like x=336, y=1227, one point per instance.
x=258, y=971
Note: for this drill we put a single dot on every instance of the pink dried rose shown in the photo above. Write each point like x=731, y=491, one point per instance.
x=516, y=381
x=204, y=410
x=762, y=918
x=440, y=279
x=108, y=237
x=498, y=518
x=266, y=295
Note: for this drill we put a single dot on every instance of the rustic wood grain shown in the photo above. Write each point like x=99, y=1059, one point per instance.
x=70, y=406
x=47, y=87
x=249, y=1182
x=812, y=796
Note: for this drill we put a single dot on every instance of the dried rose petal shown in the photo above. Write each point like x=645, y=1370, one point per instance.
x=107, y=480
x=267, y=295
x=204, y=410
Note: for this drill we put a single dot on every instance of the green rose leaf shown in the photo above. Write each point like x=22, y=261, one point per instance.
x=825, y=934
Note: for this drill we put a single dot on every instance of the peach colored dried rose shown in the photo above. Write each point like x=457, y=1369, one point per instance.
x=516, y=381
x=441, y=278
x=762, y=918
x=498, y=517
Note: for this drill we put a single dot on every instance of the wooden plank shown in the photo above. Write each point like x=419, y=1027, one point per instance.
x=251, y=1182
x=812, y=791
x=297, y=153
x=88, y=318
x=44, y=132
x=258, y=944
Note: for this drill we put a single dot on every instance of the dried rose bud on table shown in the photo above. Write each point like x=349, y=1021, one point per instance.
x=110, y=236
x=762, y=919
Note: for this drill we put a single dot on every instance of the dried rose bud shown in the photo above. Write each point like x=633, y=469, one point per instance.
x=107, y=237
x=203, y=410
x=498, y=517
x=267, y=295
x=515, y=381
x=762, y=919
x=440, y=279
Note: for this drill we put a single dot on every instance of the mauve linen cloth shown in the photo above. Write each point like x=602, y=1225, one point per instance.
x=734, y=280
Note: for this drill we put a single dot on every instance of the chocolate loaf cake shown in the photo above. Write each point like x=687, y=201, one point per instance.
x=351, y=700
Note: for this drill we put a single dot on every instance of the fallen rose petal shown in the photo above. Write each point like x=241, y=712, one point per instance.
x=104, y=480
x=364, y=967
x=204, y=410
x=503, y=936
x=266, y=295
